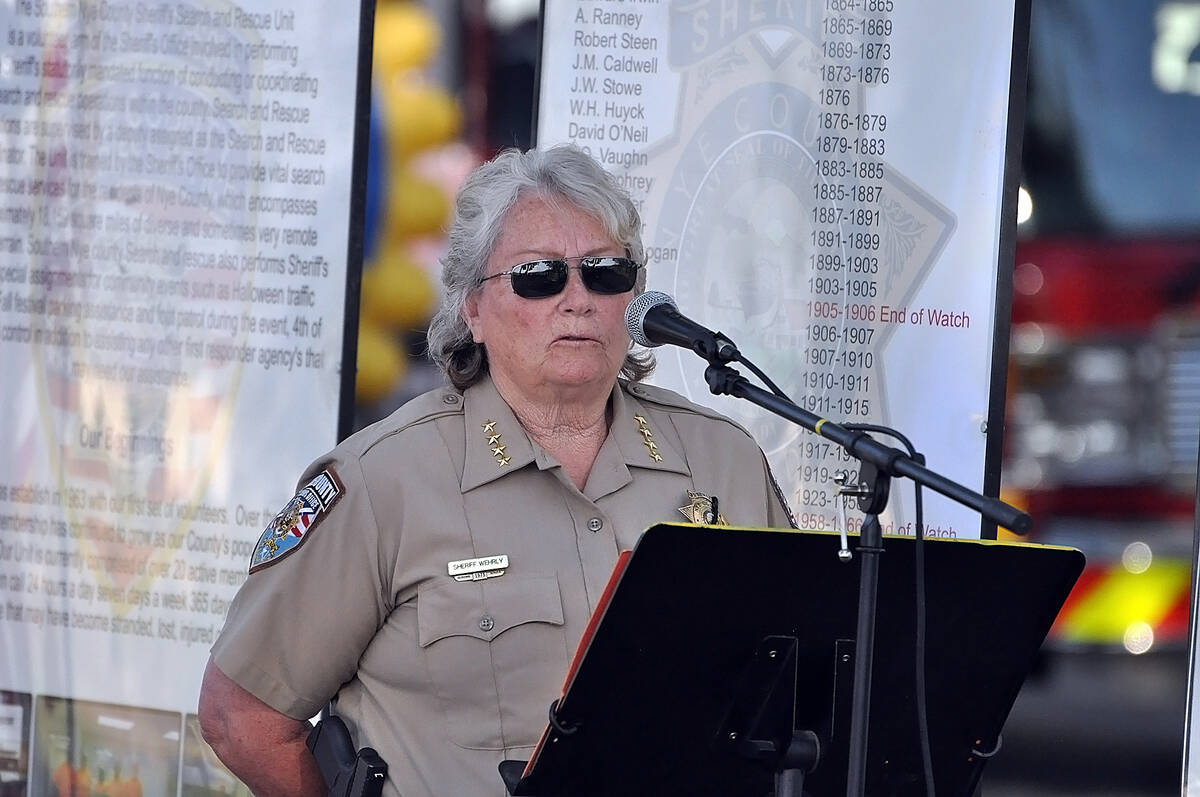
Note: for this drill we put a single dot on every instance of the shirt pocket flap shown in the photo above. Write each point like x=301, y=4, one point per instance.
x=486, y=609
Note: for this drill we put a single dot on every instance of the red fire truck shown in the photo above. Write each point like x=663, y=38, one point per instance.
x=1103, y=425
x=1103, y=412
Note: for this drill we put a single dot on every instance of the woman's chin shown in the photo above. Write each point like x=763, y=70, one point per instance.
x=584, y=374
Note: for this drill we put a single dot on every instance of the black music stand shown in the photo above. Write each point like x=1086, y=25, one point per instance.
x=676, y=690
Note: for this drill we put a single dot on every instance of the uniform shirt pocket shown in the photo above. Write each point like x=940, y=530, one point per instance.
x=497, y=654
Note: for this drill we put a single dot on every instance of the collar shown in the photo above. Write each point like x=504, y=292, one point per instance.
x=497, y=444
x=640, y=436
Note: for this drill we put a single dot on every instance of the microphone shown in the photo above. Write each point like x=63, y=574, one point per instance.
x=653, y=319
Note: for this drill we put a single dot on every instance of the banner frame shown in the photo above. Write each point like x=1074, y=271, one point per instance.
x=356, y=242
x=1006, y=259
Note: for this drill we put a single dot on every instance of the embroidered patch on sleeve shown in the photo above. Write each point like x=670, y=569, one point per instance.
x=291, y=527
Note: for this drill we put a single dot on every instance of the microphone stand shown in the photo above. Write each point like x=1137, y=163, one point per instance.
x=880, y=464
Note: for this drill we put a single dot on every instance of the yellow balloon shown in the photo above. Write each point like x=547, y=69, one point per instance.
x=415, y=206
x=381, y=364
x=397, y=292
x=406, y=36
x=417, y=117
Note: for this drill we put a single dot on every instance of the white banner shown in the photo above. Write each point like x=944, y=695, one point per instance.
x=821, y=181
x=175, y=183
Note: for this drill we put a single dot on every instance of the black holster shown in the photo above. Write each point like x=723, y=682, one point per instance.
x=347, y=773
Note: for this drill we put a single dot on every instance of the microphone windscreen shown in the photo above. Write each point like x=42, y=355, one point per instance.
x=635, y=315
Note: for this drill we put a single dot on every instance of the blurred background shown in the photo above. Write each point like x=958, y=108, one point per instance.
x=1103, y=405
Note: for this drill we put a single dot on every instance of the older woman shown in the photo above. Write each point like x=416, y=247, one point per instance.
x=435, y=571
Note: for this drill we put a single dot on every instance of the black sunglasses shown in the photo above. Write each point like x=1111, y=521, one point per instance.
x=538, y=279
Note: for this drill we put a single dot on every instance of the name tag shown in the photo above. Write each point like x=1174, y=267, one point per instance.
x=478, y=569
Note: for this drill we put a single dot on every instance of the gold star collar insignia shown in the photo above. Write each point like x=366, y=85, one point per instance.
x=494, y=442
x=651, y=446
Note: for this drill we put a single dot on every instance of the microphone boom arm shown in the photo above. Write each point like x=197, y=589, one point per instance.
x=723, y=380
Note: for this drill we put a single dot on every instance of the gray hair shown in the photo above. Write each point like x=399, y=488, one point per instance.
x=562, y=172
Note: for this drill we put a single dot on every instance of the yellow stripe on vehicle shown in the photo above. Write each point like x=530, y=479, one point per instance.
x=1122, y=599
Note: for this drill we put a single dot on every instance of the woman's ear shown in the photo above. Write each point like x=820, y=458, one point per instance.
x=470, y=315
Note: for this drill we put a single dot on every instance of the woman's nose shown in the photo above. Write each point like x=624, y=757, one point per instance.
x=576, y=295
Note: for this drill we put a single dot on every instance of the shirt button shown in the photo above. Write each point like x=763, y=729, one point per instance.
x=486, y=623
x=450, y=398
x=595, y=524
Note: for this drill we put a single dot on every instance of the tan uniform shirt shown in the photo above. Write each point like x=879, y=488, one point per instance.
x=446, y=678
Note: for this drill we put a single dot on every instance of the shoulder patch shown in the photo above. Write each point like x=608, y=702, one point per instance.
x=291, y=527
